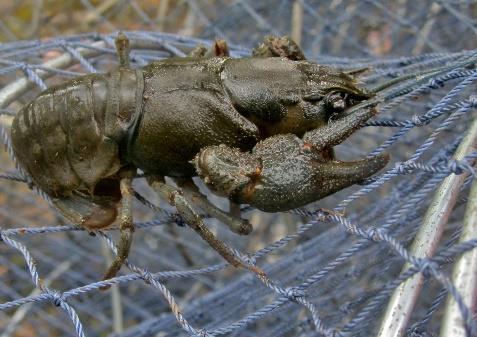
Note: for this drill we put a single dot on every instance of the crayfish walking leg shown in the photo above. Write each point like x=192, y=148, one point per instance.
x=126, y=227
x=176, y=198
x=234, y=224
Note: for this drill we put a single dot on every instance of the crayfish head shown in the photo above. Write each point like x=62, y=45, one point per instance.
x=330, y=92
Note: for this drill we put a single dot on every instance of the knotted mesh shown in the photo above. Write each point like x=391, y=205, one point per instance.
x=329, y=273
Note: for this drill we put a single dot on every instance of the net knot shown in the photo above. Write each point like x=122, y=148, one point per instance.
x=55, y=296
x=473, y=101
x=403, y=168
x=23, y=66
x=416, y=331
x=460, y=166
x=374, y=234
x=426, y=266
x=250, y=260
x=146, y=275
x=419, y=120
x=455, y=166
x=436, y=83
x=202, y=333
x=294, y=293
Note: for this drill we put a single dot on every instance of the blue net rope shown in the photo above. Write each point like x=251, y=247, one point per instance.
x=328, y=274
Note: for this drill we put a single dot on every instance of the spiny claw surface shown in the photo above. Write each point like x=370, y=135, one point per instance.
x=281, y=173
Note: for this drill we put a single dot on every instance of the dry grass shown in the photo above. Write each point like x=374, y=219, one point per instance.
x=30, y=19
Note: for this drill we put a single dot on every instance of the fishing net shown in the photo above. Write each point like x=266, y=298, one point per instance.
x=329, y=273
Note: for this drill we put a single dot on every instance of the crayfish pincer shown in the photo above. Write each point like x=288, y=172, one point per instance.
x=259, y=130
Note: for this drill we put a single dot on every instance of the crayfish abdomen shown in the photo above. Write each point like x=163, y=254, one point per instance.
x=70, y=139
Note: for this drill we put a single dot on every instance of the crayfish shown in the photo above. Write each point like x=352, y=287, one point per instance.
x=259, y=130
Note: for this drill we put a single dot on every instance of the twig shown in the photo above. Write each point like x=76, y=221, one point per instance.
x=297, y=22
x=401, y=304
x=116, y=305
x=464, y=275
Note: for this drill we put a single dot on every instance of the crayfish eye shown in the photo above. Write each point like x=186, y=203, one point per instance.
x=336, y=101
